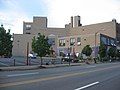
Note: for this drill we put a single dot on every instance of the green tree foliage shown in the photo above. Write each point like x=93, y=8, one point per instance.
x=118, y=54
x=87, y=50
x=112, y=52
x=102, y=51
x=41, y=46
x=5, y=42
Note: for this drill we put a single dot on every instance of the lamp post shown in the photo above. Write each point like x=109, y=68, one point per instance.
x=96, y=41
x=74, y=52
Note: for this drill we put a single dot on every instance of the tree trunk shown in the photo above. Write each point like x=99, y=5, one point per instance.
x=41, y=61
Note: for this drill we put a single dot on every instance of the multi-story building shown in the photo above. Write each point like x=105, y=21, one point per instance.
x=73, y=36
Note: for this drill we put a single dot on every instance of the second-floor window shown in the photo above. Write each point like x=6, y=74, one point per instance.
x=72, y=41
x=62, y=42
x=51, y=41
x=28, y=27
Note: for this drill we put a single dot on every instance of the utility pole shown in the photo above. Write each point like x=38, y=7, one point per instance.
x=95, y=45
x=27, y=52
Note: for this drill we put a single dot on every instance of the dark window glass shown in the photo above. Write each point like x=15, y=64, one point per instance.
x=62, y=42
x=28, y=27
x=72, y=41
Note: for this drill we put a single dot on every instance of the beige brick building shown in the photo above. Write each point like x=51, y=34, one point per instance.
x=74, y=35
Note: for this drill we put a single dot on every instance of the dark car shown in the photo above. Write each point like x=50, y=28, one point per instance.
x=71, y=59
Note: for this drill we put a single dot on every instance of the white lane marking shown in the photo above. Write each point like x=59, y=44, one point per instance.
x=15, y=75
x=4, y=64
x=87, y=86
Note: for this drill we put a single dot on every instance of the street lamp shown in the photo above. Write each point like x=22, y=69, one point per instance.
x=74, y=52
x=96, y=40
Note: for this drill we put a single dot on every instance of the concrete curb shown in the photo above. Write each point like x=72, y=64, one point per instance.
x=12, y=68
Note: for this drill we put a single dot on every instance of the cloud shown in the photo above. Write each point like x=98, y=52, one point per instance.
x=91, y=11
x=12, y=13
x=13, y=16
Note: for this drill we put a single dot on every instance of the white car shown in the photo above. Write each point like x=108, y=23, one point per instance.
x=33, y=56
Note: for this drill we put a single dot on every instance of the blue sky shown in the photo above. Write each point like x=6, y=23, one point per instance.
x=33, y=7
x=58, y=12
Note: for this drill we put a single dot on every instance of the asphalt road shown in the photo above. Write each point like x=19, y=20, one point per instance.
x=87, y=77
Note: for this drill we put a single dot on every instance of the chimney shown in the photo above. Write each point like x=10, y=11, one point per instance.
x=71, y=21
x=77, y=21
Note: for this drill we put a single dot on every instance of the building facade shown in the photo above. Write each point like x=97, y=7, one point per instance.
x=73, y=36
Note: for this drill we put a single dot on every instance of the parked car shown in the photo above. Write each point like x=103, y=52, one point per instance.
x=71, y=59
x=33, y=56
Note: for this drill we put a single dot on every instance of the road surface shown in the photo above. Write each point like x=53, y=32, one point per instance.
x=87, y=77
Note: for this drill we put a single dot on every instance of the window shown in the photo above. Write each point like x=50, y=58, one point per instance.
x=78, y=41
x=27, y=32
x=51, y=41
x=62, y=42
x=72, y=41
x=104, y=40
x=61, y=53
x=28, y=27
x=112, y=42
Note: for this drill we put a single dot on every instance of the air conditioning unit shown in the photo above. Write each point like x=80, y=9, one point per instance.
x=78, y=43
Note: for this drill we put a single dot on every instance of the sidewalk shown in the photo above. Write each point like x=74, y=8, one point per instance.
x=12, y=68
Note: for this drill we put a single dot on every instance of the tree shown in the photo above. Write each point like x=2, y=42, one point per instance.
x=41, y=46
x=102, y=50
x=87, y=50
x=52, y=52
x=112, y=52
x=118, y=54
x=5, y=42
